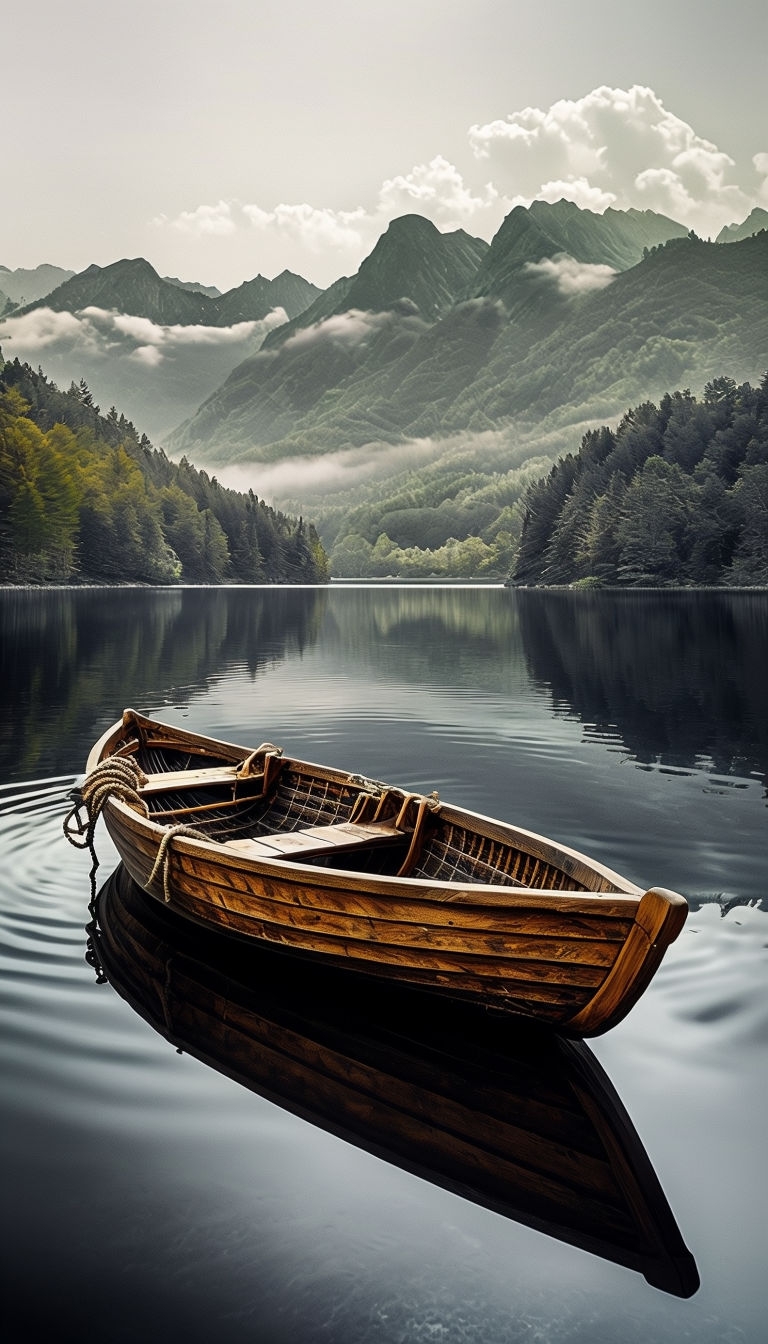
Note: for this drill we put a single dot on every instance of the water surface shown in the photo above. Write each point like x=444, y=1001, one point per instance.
x=148, y=1196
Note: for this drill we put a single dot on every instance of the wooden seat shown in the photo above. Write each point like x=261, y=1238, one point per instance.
x=318, y=840
x=169, y=781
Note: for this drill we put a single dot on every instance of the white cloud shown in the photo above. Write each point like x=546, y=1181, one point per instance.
x=760, y=162
x=571, y=276
x=437, y=190
x=43, y=328
x=349, y=328
x=580, y=191
x=317, y=229
x=206, y=219
x=101, y=332
x=296, y=478
x=613, y=146
x=147, y=354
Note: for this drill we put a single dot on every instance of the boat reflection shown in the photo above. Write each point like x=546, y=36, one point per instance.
x=521, y=1122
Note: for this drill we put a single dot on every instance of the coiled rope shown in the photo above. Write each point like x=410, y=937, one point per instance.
x=118, y=777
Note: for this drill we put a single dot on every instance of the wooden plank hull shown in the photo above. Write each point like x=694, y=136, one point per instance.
x=574, y=951
x=516, y=1120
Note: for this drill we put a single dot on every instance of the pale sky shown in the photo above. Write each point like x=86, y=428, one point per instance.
x=219, y=140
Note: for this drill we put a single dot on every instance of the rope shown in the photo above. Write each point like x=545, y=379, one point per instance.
x=162, y=858
x=117, y=777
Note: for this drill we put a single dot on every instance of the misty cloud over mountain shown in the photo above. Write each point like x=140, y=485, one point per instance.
x=153, y=347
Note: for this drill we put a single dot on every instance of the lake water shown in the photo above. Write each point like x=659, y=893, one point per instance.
x=148, y=1196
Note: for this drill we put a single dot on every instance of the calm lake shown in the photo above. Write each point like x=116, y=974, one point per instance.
x=149, y=1196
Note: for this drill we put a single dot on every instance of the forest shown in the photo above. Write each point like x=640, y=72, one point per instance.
x=84, y=498
x=676, y=495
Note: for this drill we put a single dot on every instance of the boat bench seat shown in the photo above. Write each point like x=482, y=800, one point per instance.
x=169, y=781
x=317, y=840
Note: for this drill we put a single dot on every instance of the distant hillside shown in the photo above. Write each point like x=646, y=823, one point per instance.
x=23, y=286
x=133, y=286
x=733, y=233
x=152, y=346
x=413, y=260
x=83, y=498
x=412, y=263
x=676, y=494
x=210, y=290
x=408, y=437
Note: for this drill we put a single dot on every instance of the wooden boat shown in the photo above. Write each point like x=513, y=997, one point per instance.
x=373, y=878
x=511, y=1117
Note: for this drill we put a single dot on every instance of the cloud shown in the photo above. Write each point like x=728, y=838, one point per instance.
x=760, y=162
x=571, y=276
x=317, y=229
x=349, y=328
x=147, y=354
x=312, y=477
x=614, y=146
x=206, y=219
x=580, y=191
x=43, y=328
x=101, y=332
x=437, y=190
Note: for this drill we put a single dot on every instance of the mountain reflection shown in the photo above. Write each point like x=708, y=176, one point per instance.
x=414, y=633
x=680, y=677
x=522, y=1123
x=61, y=648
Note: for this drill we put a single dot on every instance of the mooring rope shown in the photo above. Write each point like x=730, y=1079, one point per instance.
x=117, y=777
x=162, y=858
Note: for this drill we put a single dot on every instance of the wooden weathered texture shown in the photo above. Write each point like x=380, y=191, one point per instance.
x=550, y=934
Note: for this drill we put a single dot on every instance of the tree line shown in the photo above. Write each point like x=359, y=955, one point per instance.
x=677, y=494
x=84, y=498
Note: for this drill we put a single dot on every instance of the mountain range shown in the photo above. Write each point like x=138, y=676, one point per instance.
x=153, y=346
x=134, y=287
x=568, y=317
x=438, y=377
x=23, y=286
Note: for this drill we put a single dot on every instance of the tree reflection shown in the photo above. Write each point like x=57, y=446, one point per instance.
x=63, y=650
x=680, y=677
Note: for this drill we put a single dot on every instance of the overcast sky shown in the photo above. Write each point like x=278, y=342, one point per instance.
x=219, y=140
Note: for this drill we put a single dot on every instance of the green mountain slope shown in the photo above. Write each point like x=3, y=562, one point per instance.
x=527, y=235
x=687, y=312
x=414, y=260
x=151, y=346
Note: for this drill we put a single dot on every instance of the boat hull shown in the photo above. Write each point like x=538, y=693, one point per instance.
x=573, y=959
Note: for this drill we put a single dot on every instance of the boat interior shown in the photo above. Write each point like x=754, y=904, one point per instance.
x=268, y=806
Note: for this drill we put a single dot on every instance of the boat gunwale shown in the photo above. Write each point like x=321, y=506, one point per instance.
x=442, y=893
x=529, y=842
